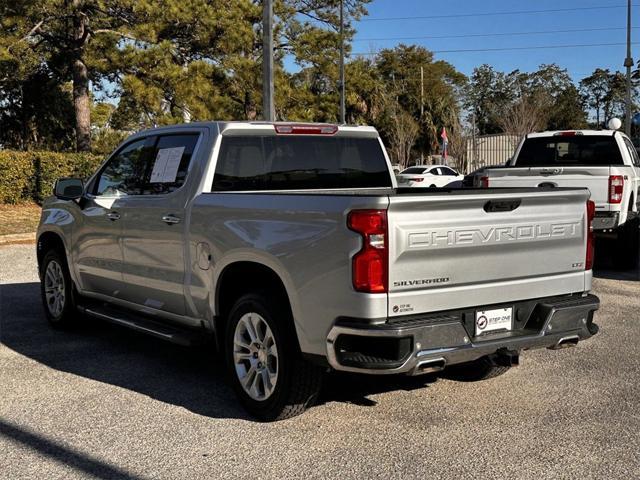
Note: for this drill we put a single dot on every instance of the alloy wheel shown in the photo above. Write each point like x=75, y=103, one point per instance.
x=255, y=356
x=54, y=288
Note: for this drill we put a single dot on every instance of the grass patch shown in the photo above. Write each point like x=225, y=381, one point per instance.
x=20, y=218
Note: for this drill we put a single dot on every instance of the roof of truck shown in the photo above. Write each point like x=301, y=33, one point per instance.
x=223, y=126
x=553, y=133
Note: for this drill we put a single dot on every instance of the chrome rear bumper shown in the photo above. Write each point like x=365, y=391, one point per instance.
x=442, y=339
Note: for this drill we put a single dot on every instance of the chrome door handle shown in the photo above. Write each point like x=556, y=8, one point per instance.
x=170, y=219
x=113, y=216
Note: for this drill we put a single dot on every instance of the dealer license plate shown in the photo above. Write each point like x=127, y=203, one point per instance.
x=492, y=320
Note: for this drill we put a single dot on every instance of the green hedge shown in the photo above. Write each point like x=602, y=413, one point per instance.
x=29, y=176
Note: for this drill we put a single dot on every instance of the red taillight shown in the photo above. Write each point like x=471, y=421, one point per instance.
x=301, y=129
x=591, y=213
x=417, y=179
x=484, y=182
x=370, y=264
x=616, y=187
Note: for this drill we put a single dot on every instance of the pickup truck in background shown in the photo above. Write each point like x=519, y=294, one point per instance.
x=293, y=249
x=604, y=161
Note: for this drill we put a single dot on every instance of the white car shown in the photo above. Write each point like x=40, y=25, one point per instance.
x=429, y=176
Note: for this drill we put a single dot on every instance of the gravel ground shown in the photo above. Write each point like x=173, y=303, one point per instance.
x=103, y=402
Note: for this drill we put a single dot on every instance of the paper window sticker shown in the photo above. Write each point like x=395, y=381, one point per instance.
x=165, y=168
x=174, y=157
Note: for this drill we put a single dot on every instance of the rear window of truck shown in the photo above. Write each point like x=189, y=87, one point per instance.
x=579, y=151
x=299, y=163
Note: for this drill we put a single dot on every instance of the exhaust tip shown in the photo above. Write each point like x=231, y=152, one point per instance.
x=566, y=342
x=431, y=365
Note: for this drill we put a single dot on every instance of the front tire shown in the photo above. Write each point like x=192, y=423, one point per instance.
x=265, y=366
x=56, y=290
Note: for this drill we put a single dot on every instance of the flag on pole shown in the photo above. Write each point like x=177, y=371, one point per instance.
x=445, y=143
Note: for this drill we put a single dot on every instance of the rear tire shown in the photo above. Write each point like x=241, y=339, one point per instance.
x=477, y=370
x=264, y=363
x=57, y=290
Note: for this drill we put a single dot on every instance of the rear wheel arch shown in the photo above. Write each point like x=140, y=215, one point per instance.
x=243, y=277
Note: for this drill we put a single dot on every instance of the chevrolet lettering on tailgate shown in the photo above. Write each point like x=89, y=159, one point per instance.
x=446, y=237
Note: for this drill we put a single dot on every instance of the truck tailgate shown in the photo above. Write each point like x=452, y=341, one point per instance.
x=596, y=179
x=472, y=248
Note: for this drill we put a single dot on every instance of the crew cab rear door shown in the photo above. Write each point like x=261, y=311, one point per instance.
x=478, y=247
x=153, y=233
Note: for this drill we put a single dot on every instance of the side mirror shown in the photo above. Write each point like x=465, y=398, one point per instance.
x=68, y=188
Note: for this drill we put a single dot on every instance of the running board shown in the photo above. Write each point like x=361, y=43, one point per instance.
x=148, y=326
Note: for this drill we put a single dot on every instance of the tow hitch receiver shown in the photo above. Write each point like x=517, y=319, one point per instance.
x=506, y=358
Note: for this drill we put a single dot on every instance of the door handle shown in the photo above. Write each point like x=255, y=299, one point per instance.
x=170, y=219
x=113, y=216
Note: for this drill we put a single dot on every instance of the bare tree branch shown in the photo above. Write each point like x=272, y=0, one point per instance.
x=31, y=32
x=115, y=32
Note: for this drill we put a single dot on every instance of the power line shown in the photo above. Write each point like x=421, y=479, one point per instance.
x=505, y=49
x=488, y=14
x=498, y=34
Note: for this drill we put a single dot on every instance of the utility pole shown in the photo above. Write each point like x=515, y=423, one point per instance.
x=628, y=62
x=268, y=107
x=473, y=160
x=342, y=81
x=421, y=109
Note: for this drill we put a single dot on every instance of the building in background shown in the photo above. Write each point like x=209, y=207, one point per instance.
x=489, y=150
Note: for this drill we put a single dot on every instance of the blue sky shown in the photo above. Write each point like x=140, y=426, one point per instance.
x=604, y=25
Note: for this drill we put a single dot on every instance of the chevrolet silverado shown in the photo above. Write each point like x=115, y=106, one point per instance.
x=291, y=248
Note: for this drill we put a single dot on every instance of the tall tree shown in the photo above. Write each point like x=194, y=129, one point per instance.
x=488, y=90
x=595, y=88
x=59, y=34
x=399, y=70
x=520, y=102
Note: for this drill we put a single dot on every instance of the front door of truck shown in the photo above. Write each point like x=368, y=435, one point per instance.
x=153, y=235
x=97, y=251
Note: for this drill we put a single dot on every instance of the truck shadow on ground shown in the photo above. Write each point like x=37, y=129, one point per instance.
x=192, y=378
x=607, y=267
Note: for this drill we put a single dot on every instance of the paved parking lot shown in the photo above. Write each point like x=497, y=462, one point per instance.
x=103, y=402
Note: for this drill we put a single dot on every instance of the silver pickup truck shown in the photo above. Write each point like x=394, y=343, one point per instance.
x=293, y=249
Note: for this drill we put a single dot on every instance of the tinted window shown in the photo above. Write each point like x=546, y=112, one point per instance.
x=168, y=164
x=448, y=171
x=569, y=151
x=122, y=174
x=300, y=162
x=415, y=170
x=633, y=152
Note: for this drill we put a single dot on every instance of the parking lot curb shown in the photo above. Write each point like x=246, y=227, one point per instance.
x=15, y=238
